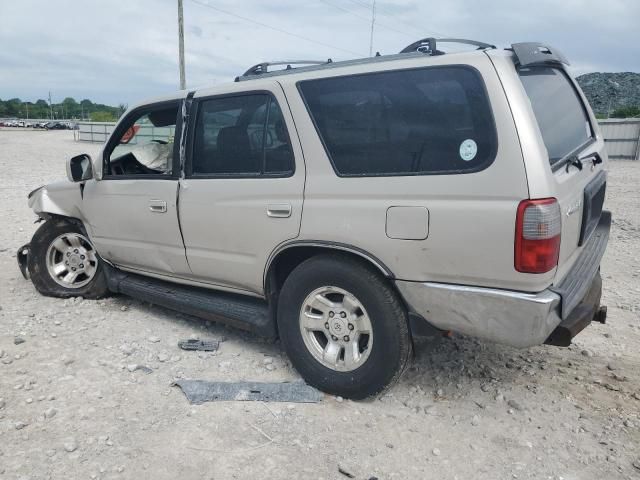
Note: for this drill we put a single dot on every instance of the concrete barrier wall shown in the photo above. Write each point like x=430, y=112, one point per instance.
x=99, y=132
x=622, y=137
x=96, y=132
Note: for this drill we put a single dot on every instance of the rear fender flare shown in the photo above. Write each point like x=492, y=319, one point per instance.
x=341, y=247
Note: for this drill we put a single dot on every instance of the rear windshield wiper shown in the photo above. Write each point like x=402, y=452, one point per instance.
x=576, y=161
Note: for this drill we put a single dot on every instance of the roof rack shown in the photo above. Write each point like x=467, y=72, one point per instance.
x=429, y=45
x=534, y=53
x=418, y=49
x=263, y=67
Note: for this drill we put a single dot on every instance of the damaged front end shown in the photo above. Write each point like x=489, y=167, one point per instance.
x=56, y=199
x=59, y=198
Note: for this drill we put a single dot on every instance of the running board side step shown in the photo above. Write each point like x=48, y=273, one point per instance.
x=243, y=312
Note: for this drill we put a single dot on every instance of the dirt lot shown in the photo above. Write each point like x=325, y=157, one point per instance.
x=70, y=408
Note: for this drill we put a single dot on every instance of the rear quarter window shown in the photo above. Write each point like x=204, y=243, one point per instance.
x=559, y=111
x=433, y=120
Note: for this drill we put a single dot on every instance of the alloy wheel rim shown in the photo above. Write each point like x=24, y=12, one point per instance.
x=71, y=260
x=336, y=329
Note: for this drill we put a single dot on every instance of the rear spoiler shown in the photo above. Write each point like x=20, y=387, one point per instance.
x=532, y=53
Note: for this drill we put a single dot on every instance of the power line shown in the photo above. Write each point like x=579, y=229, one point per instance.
x=367, y=19
x=386, y=13
x=276, y=29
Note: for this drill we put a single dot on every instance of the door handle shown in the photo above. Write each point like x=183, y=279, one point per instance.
x=158, y=206
x=280, y=210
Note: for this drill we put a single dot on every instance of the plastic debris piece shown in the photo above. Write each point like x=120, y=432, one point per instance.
x=203, y=345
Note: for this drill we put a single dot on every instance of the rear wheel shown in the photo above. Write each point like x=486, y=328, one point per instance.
x=63, y=262
x=343, y=327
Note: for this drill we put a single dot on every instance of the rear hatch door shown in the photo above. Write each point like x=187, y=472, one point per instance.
x=575, y=154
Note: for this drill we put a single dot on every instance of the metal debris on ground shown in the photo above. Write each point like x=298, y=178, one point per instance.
x=200, y=391
x=345, y=471
x=203, y=345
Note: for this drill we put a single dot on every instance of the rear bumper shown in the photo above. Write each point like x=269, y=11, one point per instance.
x=519, y=319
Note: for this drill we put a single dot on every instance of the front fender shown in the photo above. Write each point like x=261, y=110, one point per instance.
x=59, y=198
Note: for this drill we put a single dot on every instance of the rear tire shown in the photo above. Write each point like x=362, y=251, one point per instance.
x=63, y=263
x=343, y=326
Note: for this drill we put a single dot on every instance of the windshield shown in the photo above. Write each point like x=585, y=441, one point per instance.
x=560, y=113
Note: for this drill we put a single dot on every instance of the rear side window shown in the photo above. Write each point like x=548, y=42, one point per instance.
x=243, y=135
x=424, y=121
x=560, y=113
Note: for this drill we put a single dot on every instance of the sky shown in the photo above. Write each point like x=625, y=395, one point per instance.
x=122, y=51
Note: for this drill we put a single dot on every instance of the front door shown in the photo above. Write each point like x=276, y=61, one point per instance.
x=132, y=211
x=242, y=195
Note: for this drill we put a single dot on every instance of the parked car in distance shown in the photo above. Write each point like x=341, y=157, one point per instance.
x=348, y=207
x=56, y=126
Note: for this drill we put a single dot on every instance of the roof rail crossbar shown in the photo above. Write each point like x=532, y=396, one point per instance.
x=534, y=53
x=263, y=67
x=430, y=45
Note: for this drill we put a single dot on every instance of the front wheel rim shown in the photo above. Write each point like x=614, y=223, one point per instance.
x=71, y=260
x=336, y=329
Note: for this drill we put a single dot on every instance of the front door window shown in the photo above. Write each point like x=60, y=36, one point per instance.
x=146, y=147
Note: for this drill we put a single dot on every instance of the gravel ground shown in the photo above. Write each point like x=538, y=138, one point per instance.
x=71, y=408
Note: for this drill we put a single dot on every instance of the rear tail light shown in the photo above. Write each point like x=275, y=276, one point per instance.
x=538, y=228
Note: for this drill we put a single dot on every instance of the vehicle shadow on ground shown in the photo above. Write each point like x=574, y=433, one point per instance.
x=438, y=362
x=458, y=366
x=203, y=328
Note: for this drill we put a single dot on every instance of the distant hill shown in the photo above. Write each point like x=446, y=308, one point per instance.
x=611, y=91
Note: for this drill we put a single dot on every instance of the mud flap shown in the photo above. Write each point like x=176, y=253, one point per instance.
x=23, y=260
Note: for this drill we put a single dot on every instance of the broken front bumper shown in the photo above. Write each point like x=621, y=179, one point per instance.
x=519, y=319
x=23, y=260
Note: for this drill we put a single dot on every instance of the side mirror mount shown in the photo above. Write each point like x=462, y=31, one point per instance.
x=79, y=168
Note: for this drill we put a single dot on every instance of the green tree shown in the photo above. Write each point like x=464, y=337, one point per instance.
x=103, y=116
x=626, y=112
x=71, y=107
x=13, y=106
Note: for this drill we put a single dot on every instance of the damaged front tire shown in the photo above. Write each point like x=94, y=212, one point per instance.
x=62, y=262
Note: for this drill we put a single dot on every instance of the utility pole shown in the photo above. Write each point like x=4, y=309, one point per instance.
x=373, y=21
x=27, y=105
x=50, y=106
x=183, y=81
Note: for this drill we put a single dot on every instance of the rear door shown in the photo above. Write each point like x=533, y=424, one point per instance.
x=243, y=188
x=575, y=154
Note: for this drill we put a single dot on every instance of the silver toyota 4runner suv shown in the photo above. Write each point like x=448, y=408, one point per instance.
x=346, y=207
